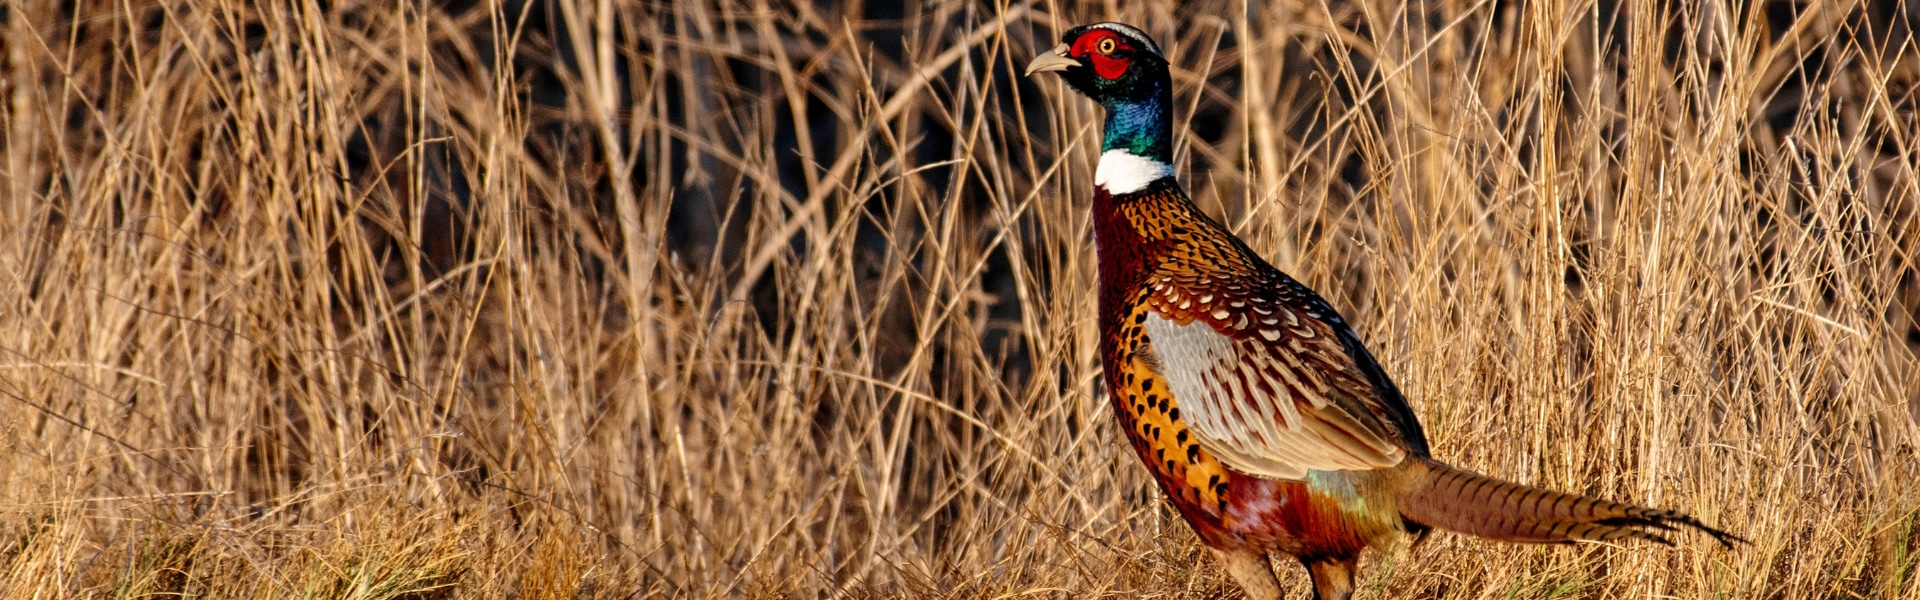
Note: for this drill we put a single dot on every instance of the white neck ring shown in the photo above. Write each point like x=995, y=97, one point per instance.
x=1122, y=172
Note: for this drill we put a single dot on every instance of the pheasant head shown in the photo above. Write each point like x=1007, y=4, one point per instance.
x=1122, y=69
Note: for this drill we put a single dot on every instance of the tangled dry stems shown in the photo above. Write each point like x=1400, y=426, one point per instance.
x=703, y=299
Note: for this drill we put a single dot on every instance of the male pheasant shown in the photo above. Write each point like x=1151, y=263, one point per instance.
x=1255, y=407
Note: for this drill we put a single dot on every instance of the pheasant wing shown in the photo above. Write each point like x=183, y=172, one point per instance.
x=1267, y=387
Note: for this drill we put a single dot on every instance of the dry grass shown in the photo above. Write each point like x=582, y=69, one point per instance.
x=771, y=298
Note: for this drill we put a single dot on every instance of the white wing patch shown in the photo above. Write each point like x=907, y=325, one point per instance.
x=1255, y=410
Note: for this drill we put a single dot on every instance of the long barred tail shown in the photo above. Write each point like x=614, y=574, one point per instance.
x=1437, y=495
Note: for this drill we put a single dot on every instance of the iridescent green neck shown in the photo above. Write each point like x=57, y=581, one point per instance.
x=1142, y=125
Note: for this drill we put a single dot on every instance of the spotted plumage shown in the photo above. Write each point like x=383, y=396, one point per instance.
x=1254, y=406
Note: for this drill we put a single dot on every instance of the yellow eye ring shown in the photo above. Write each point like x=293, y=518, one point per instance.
x=1107, y=46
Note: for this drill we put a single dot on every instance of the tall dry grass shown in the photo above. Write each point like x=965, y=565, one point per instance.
x=693, y=299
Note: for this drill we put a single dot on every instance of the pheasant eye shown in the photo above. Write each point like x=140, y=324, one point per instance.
x=1107, y=46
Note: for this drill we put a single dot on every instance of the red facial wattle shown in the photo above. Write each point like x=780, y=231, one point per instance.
x=1109, y=65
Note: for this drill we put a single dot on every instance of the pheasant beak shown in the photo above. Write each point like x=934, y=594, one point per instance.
x=1055, y=60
